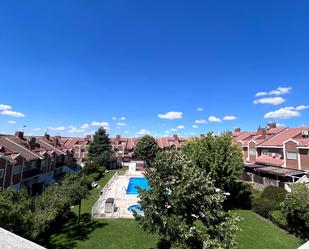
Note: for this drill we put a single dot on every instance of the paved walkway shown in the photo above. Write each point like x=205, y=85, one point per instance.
x=122, y=200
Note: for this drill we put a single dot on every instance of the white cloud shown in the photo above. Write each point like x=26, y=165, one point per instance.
x=85, y=126
x=192, y=133
x=279, y=91
x=229, y=118
x=12, y=122
x=282, y=113
x=261, y=94
x=214, y=119
x=59, y=128
x=171, y=115
x=286, y=112
x=122, y=118
x=167, y=132
x=97, y=123
x=126, y=132
x=199, y=109
x=301, y=107
x=173, y=129
x=201, y=121
x=121, y=124
x=114, y=118
x=272, y=101
x=5, y=107
x=37, y=129
x=195, y=126
x=73, y=129
x=143, y=132
x=12, y=113
x=180, y=127
x=280, y=124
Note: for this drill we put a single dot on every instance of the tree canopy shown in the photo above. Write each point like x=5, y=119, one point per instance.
x=100, y=154
x=183, y=206
x=218, y=156
x=29, y=216
x=146, y=149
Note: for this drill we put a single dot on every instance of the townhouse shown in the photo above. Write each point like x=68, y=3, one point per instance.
x=124, y=147
x=31, y=162
x=274, y=155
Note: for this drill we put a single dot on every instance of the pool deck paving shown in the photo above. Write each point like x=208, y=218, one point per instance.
x=123, y=200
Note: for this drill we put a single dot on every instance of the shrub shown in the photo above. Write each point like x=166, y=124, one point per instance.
x=278, y=218
x=269, y=201
x=87, y=180
x=263, y=207
x=241, y=195
x=275, y=194
x=96, y=176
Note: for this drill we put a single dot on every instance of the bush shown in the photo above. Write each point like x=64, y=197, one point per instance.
x=269, y=201
x=241, y=195
x=278, y=218
x=263, y=207
x=96, y=176
x=276, y=194
x=87, y=180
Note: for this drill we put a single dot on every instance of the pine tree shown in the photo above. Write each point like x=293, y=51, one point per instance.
x=100, y=152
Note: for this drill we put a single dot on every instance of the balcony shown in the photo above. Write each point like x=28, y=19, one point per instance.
x=31, y=173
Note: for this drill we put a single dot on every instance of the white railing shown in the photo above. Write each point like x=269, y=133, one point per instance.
x=97, y=207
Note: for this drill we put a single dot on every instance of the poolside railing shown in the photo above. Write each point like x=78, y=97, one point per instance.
x=97, y=207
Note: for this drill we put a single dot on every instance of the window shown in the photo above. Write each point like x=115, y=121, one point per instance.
x=44, y=163
x=291, y=155
x=33, y=164
x=1, y=173
x=265, y=152
x=17, y=170
x=252, y=152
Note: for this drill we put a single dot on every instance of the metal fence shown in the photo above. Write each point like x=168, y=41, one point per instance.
x=97, y=207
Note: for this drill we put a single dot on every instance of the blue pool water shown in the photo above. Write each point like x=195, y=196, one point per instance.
x=136, y=182
x=136, y=208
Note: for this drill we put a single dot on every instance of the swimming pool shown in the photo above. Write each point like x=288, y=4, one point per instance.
x=136, y=208
x=136, y=182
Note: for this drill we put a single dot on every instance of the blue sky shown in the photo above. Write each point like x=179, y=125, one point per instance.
x=71, y=66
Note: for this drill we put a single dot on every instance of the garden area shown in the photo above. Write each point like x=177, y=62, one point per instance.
x=256, y=232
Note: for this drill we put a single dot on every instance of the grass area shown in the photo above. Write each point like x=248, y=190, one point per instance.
x=256, y=233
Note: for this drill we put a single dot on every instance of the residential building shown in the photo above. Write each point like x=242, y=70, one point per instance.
x=274, y=155
x=31, y=162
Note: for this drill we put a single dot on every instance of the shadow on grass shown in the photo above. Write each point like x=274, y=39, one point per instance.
x=66, y=236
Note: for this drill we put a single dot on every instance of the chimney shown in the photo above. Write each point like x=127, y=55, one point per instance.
x=55, y=141
x=31, y=142
x=271, y=126
x=202, y=135
x=261, y=131
x=46, y=136
x=175, y=136
x=19, y=134
x=118, y=136
x=237, y=130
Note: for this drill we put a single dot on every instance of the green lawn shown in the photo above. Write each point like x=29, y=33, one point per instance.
x=257, y=233
x=125, y=233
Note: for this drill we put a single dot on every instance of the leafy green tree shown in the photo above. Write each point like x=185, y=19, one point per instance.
x=16, y=212
x=184, y=207
x=146, y=149
x=100, y=154
x=218, y=156
x=296, y=209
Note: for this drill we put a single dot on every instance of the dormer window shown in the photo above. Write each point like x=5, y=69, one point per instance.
x=265, y=152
